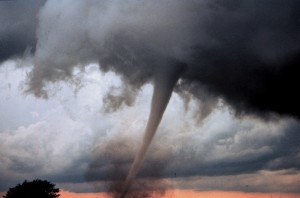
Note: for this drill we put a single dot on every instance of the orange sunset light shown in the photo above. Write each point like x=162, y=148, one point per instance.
x=67, y=194
x=189, y=194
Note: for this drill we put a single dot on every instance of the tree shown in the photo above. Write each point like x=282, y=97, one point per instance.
x=34, y=189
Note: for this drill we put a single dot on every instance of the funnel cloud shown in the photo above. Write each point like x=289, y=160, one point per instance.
x=163, y=88
x=243, y=53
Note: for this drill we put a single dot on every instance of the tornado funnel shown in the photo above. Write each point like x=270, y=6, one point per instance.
x=164, y=82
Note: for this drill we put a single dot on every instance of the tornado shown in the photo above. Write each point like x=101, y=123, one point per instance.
x=164, y=81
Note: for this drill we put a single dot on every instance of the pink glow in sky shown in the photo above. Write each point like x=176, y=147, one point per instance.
x=190, y=194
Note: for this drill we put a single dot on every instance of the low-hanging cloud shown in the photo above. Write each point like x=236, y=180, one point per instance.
x=246, y=53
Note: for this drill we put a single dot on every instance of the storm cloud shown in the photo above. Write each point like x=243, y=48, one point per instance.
x=237, y=56
x=246, y=53
x=19, y=22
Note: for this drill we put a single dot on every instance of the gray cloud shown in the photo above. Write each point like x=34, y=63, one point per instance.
x=253, y=57
x=18, y=21
x=239, y=148
x=221, y=146
x=272, y=182
x=243, y=52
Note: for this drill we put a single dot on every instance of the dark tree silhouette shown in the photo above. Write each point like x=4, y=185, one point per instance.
x=34, y=189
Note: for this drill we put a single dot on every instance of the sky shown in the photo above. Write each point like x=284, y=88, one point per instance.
x=77, y=81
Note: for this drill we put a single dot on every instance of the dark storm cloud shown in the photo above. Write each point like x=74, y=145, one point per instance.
x=246, y=52
x=253, y=59
x=18, y=23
